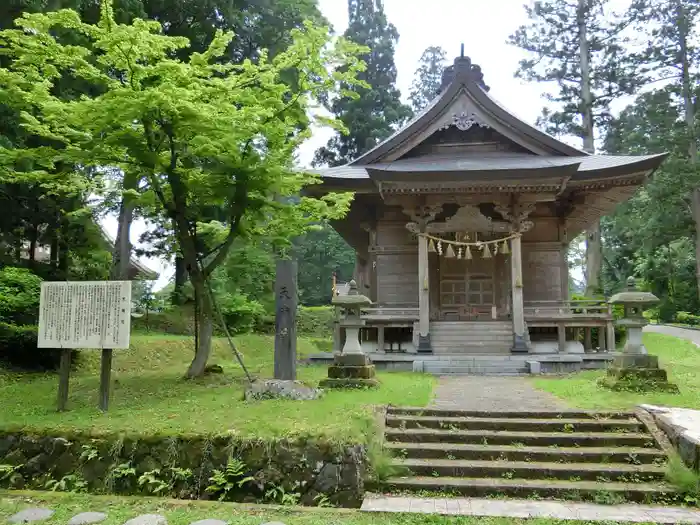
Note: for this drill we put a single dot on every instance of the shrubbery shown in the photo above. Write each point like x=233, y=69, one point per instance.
x=19, y=311
x=687, y=318
x=314, y=321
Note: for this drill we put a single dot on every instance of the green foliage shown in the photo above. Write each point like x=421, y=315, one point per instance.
x=316, y=321
x=20, y=291
x=371, y=111
x=687, y=318
x=279, y=495
x=224, y=483
x=185, y=125
x=684, y=479
x=19, y=295
x=161, y=482
x=68, y=483
x=321, y=253
x=154, y=400
x=174, y=321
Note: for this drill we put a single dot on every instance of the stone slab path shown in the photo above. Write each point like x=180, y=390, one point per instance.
x=562, y=510
x=676, y=331
x=492, y=393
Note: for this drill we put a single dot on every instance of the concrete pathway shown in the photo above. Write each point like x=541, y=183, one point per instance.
x=682, y=333
x=492, y=393
x=562, y=510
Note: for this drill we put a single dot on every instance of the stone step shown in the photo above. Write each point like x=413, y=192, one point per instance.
x=452, y=335
x=537, y=414
x=497, y=437
x=531, y=470
x=481, y=487
x=493, y=353
x=625, y=455
x=523, y=424
x=496, y=353
x=471, y=324
x=474, y=370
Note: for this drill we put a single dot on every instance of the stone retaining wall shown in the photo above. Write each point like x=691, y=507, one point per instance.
x=682, y=426
x=304, y=471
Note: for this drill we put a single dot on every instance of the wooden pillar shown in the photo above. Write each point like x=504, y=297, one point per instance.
x=601, y=339
x=380, y=338
x=516, y=266
x=423, y=296
x=587, y=339
x=610, y=336
x=561, y=337
x=564, y=274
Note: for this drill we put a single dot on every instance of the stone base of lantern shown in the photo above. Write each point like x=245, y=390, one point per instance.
x=638, y=373
x=351, y=371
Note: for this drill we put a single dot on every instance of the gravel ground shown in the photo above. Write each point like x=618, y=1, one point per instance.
x=492, y=393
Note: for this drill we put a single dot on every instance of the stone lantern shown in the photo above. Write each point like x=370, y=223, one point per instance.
x=352, y=368
x=634, y=368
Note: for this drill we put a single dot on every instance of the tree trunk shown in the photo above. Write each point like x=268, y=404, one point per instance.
x=53, y=251
x=205, y=328
x=121, y=253
x=178, y=296
x=34, y=236
x=594, y=247
x=63, y=250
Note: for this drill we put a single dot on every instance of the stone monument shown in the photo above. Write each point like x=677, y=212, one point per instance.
x=285, y=320
x=635, y=369
x=352, y=368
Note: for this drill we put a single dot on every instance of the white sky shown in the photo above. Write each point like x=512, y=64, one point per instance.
x=482, y=25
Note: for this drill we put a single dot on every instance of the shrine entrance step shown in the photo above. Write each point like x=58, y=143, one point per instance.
x=595, y=456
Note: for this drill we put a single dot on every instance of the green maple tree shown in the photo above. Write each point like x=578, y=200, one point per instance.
x=212, y=141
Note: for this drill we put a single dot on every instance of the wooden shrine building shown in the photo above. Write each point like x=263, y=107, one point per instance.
x=461, y=222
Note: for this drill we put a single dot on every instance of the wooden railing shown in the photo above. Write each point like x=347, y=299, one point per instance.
x=391, y=312
x=568, y=309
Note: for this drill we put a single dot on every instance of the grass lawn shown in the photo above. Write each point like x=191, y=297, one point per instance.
x=150, y=396
x=180, y=512
x=680, y=358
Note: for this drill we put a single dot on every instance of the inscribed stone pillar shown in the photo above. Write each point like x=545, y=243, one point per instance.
x=516, y=262
x=285, y=320
x=423, y=296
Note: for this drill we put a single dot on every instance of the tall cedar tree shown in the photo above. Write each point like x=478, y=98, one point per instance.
x=579, y=47
x=651, y=234
x=377, y=110
x=428, y=77
x=673, y=53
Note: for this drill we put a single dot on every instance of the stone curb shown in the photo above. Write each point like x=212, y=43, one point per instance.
x=682, y=426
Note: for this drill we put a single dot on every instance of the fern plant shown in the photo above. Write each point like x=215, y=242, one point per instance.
x=233, y=477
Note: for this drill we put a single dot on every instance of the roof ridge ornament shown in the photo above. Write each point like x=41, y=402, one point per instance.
x=463, y=71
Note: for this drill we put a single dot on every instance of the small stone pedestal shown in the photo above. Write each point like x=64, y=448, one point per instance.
x=636, y=370
x=350, y=371
x=352, y=368
x=639, y=373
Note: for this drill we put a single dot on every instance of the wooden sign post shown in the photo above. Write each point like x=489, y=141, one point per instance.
x=90, y=314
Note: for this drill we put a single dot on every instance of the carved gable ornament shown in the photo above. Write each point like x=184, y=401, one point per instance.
x=464, y=121
x=469, y=218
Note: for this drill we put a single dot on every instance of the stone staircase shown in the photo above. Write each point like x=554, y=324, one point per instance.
x=471, y=338
x=605, y=457
x=497, y=365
